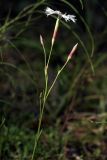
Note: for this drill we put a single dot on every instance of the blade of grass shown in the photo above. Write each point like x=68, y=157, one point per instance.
x=27, y=11
x=19, y=69
x=81, y=4
x=5, y=102
x=2, y=123
x=22, y=56
x=82, y=44
x=82, y=19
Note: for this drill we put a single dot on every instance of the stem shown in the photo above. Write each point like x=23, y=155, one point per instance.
x=64, y=66
x=56, y=79
x=36, y=142
x=49, y=56
x=44, y=51
x=39, y=131
x=44, y=54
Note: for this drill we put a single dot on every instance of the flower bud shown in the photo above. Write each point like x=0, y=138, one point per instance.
x=55, y=31
x=41, y=40
x=72, y=52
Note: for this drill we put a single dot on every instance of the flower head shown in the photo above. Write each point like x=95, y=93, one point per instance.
x=68, y=17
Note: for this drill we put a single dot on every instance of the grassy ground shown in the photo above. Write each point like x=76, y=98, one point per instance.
x=79, y=137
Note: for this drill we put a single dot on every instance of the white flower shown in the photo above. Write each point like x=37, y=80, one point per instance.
x=50, y=11
x=68, y=17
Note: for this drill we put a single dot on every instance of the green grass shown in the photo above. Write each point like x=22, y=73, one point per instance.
x=82, y=138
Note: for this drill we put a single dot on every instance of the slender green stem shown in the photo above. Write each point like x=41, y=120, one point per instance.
x=44, y=51
x=49, y=56
x=42, y=106
x=39, y=131
x=56, y=79
x=46, y=82
x=64, y=66
x=44, y=54
x=52, y=85
x=36, y=142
